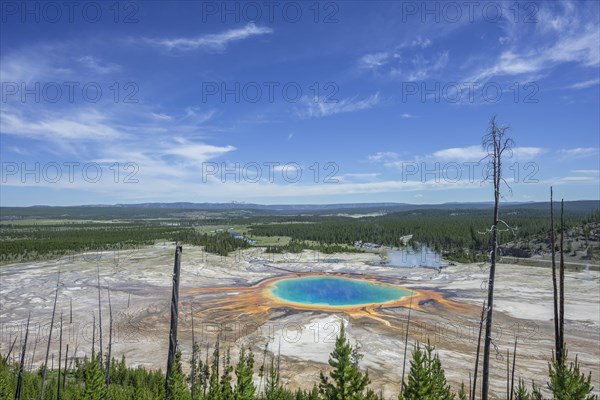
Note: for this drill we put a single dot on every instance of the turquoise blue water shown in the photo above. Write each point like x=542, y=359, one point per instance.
x=332, y=291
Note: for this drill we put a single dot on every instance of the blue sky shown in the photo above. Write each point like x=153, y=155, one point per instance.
x=296, y=102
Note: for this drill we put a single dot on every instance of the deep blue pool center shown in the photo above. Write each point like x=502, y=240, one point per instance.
x=335, y=291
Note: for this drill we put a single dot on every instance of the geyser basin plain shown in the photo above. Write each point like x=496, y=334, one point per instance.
x=335, y=291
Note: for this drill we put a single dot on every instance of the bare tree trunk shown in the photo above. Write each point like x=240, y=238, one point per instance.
x=19, y=390
x=194, y=361
x=507, y=374
x=204, y=378
x=110, y=329
x=478, y=350
x=406, y=344
x=512, y=379
x=262, y=368
x=93, y=335
x=37, y=337
x=561, y=281
x=59, y=356
x=65, y=370
x=499, y=143
x=554, y=284
x=470, y=387
x=10, y=350
x=279, y=358
x=99, y=321
x=49, y=339
x=174, y=317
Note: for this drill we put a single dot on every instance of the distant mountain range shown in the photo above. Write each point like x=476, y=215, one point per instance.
x=580, y=204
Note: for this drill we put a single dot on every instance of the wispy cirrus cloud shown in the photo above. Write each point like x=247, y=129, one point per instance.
x=383, y=156
x=88, y=124
x=473, y=153
x=564, y=33
x=359, y=176
x=585, y=84
x=476, y=153
x=98, y=66
x=406, y=60
x=324, y=108
x=578, y=152
x=215, y=41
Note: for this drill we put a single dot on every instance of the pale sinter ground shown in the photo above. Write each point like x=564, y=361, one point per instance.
x=141, y=278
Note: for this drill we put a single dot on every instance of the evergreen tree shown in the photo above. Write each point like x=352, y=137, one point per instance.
x=314, y=393
x=226, y=389
x=426, y=379
x=121, y=373
x=462, y=394
x=196, y=369
x=214, y=387
x=521, y=393
x=244, y=372
x=347, y=382
x=568, y=382
x=95, y=385
x=177, y=382
x=273, y=391
x=5, y=387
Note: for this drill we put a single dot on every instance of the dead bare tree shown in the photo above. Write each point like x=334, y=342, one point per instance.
x=10, y=350
x=99, y=320
x=507, y=374
x=554, y=284
x=174, y=317
x=37, y=336
x=496, y=143
x=65, y=370
x=561, y=283
x=59, y=356
x=405, y=345
x=194, y=361
x=481, y=319
x=512, y=379
x=110, y=330
x=49, y=338
x=93, y=335
x=19, y=390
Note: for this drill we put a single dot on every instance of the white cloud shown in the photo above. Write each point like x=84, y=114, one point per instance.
x=585, y=84
x=87, y=124
x=563, y=34
x=97, y=66
x=195, y=152
x=162, y=116
x=476, y=153
x=217, y=41
x=197, y=116
x=364, y=176
x=383, y=156
x=470, y=153
x=526, y=153
x=374, y=60
x=421, y=68
x=406, y=60
x=420, y=42
x=326, y=108
x=579, y=152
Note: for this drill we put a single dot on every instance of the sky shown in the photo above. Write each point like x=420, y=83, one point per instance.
x=296, y=102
